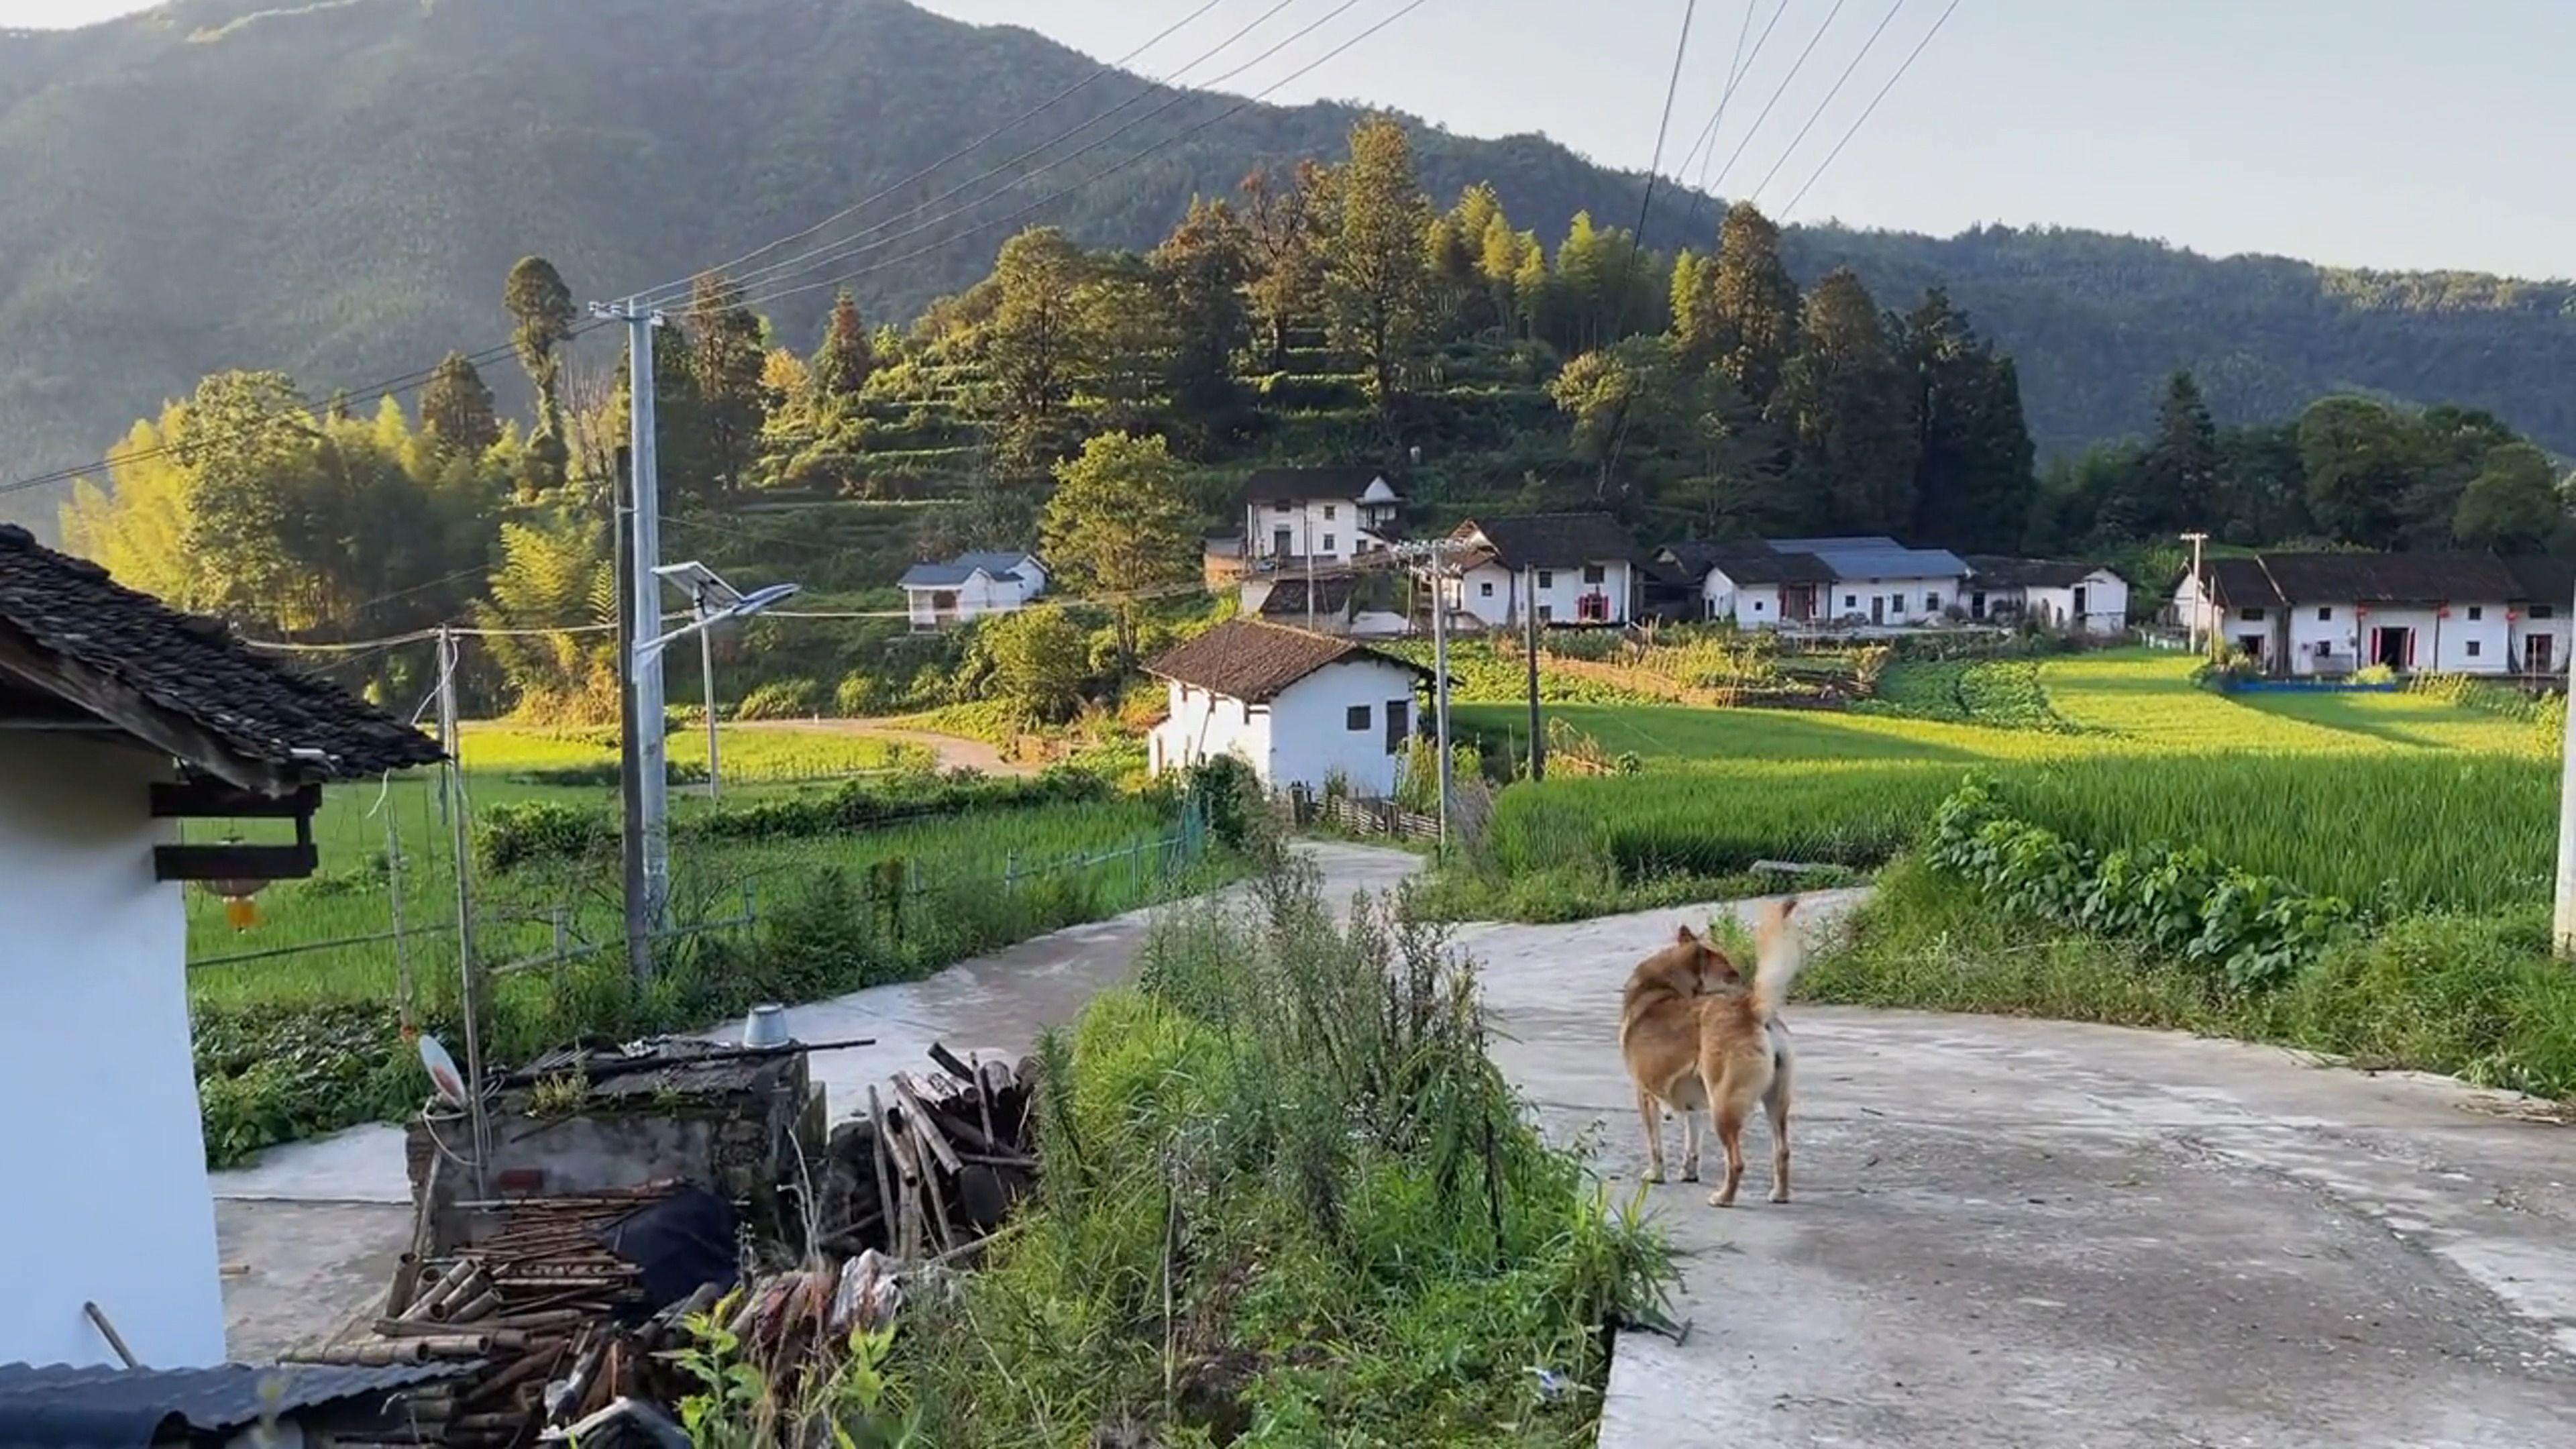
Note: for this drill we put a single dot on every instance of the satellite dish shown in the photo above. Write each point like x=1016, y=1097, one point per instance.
x=442, y=1071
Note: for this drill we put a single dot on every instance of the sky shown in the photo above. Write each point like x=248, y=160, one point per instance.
x=2388, y=133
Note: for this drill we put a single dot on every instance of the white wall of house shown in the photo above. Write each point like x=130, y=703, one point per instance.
x=2103, y=610
x=980, y=595
x=2250, y=631
x=1750, y=606
x=2525, y=627
x=2192, y=609
x=1323, y=528
x=1305, y=736
x=101, y=1130
x=1493, y=593
x=2325, y=639
x=1890, y=601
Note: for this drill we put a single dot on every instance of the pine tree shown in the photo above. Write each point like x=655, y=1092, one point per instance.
x=456, y=413
x=2180, y=472
x=1203, y=267
x=726, y=350
x=1035, y=345
x=848, y=355
x=1973, y=481
x=1752, y=306
x=1377, y=287
x=541, y=306
x=1845, y=401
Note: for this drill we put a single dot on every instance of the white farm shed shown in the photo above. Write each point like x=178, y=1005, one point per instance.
x=1300, y=708
x=2073, y=597
x=970, y=586
x=119, y=718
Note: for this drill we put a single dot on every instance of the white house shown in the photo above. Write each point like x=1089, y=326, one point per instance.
x=1296, y=518
x=1572, y=568
x=120, y=717
x=2330, y=614
x=2078, y=598
x=971, y=586
x=1857, y=582
x=1301, y=708
x=1750, y=583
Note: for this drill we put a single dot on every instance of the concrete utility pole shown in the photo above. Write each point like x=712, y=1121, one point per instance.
x=1529, y=607
x=648, y=760
x=1440, y=680
x=2200, y=600
x=2562, y=924
x=469, y=973
x=630, y=786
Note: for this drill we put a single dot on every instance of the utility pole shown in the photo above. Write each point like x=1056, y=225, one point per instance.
x=1440, y=680
x=469, y=972
x=1529, y=608
x=630, y=784
x=2562, y=924
x=647, y=760
x=2200, y=600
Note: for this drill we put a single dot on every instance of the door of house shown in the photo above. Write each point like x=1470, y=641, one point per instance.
x=1878, y=608
x=2251, y=646
x=2080, y=604
x=2537, y=654
x=2393, y=647
x=1399, y=724
x=1280, y=543
x=1976, y=606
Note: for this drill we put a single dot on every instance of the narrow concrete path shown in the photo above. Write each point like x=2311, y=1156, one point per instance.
x=2042, y=1234
x=311, y=1231
x=953, y=752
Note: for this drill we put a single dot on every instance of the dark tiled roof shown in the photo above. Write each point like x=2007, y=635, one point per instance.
x=1267, y=484
x=2241, y=583
x=1252, y=661
x=1553, y=540
x=254, y=719
x=2544, y=580
x=2029, y=573
x=63, y=1407
x=2317, y=578
x=1778, y=568
x=1287, y=598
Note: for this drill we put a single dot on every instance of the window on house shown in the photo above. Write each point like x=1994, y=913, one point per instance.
x=2544, y=611
x=1931, y=603
x=1547, y=613
x=2476, y=612
x=1328, y=543
x=2250, y=616
x=1547, y=578
x=1851, y=601
x=1356, y=718
x=1485, y=590
x=1328, y=513
x=1757, y=606
x=2474, y=646
x=2326, y=615
x=1399, y=724
x=1594, y=573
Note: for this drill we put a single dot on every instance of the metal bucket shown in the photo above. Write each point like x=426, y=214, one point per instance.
x=766, y=1026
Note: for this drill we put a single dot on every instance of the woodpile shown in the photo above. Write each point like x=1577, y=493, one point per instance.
x=935, y=1164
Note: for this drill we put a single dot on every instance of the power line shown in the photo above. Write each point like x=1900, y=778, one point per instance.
x=1819, y=113
x=960, y=153
x=859, y=244
x=1737, y=68
x=1044, y=201
x=1654, y=169
x=1863, y=118
x=1795, y=66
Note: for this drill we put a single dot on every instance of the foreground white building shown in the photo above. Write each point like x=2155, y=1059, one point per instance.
x=971, y=586
x=1300, y=708
x=2324, y=615
x=118, y=719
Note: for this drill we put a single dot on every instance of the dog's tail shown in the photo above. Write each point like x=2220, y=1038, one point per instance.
x=1778, y=953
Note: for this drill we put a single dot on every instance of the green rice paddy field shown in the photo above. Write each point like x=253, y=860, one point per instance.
x=2403, y=800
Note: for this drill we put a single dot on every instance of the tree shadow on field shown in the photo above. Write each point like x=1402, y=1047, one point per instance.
x=2337, y=717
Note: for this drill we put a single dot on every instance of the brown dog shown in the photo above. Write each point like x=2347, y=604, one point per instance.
x=1693, y=1038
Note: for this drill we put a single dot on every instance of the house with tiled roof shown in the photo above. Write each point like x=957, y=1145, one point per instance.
x=133, y=738
x=1854, y=581
x=2062, y=594
x=1299, y=706
x=2328, y=614
x=1571, y=568
x=971, y=586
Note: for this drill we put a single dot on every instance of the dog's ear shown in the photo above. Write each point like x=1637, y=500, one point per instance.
x=1788, y=907
x=1683, y=937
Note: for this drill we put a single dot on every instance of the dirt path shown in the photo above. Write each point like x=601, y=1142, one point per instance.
x=953, y=752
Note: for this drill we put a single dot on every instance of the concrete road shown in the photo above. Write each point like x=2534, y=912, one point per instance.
x=311, y=1231
x=2039, y=1234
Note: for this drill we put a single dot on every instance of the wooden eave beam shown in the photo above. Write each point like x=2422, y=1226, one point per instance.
x=128, y=710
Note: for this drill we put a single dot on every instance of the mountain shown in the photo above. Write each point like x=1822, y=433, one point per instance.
x=337, y=188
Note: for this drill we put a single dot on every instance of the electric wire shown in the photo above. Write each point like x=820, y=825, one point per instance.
x=1863, y=118
x=1819, y=113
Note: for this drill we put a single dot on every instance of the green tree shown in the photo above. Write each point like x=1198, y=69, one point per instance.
x=1039, y=662
x=1847, y=405
x=2177, y=477
x=456, y=413
x=1285, y=224
x=555, y=572
x=2262, y=486
x=1752, y=309
x=1377, y=283
x=848, y=355
x=2360, y=461
x=2513, y=505
x=1036, y=345
x=1973, y=478
x=1203, y=267
x=1613, y=391
x=727, y=352
x=1120, y=523
x=541, y=309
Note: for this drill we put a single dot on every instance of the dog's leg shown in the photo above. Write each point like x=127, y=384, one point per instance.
x=1690, y=1147
x=1775, y=1104
x=1650, y=1112
x=1728, y=1113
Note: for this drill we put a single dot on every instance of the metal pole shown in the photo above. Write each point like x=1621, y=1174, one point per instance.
x=630, y=785
x=2562, y=926
x=469, y=971
x=707, y=681
x=1529, y=605
x=402, y=951
x=645, y=674
x=1440, y=681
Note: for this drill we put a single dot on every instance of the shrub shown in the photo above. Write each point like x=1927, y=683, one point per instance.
x=780, y=699
x=858, y=695
x=512, y=834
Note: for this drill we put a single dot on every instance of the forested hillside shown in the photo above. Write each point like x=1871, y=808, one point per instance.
x=329, y=189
